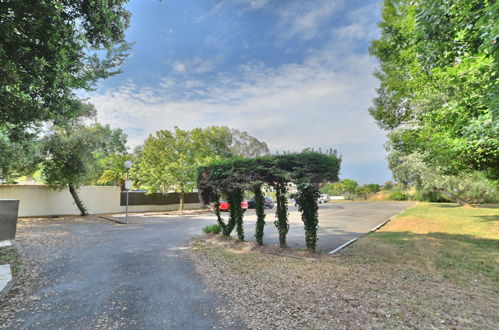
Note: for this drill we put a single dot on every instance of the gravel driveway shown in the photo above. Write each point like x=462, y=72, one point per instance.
x=97, y=274
x=93, y=273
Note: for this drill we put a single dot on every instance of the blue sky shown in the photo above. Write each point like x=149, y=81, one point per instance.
x=294, y=74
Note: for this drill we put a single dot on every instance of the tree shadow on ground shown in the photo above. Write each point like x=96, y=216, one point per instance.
x=487, y=218
x=479, y=206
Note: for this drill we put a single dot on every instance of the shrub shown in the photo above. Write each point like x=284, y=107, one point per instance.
x=430, y=196
x=398, y=196
x=212, y=229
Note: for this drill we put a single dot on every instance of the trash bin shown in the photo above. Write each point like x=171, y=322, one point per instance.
x=8, y=218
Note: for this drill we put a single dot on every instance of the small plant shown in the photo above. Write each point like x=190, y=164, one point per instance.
x=212, y=229
x=398, y=196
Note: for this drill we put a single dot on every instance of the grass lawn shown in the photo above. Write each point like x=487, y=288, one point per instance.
x=435, y=265
x=457, y=242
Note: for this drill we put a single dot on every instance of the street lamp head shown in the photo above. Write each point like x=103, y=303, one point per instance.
x=128, y=164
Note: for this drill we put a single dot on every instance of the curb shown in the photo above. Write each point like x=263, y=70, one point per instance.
x=112, y=220
x=6, y=280
x=341, y=247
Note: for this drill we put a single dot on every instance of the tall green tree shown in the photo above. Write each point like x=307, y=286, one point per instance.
x=169, y=160
x=72, y=153
x=49, y=49
x=230, y=142
x=438, y=83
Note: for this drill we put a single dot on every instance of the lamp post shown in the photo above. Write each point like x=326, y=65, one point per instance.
x=128, y=184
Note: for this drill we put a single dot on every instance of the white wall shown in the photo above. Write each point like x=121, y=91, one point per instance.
x=38, y=200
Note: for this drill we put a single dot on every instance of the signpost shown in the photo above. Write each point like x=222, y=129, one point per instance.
x=128, y=185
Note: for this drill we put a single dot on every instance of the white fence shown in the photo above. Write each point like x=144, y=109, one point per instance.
x=38, y=200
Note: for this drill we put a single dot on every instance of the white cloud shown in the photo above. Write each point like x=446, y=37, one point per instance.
x=361, y=25
x=304, y=19
x=195, y=65
x=179, y=67
x=255, y=4
x=321, y=102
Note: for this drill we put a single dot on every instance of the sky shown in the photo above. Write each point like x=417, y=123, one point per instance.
x=294, y=74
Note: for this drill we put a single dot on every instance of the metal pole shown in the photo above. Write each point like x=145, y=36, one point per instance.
x=127, y=190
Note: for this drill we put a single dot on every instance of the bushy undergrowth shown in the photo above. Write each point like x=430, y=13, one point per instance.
x=212, y=229
x=398, y=196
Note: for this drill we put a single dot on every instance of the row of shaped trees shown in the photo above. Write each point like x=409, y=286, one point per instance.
x=231, y=178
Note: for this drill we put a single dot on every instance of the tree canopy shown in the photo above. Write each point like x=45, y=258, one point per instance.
x=49, y=49
x=233, y=176
x=72, y=153
x=169, y=160
x=438, y=83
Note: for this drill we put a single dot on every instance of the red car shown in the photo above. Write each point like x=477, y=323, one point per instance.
x=224, y=205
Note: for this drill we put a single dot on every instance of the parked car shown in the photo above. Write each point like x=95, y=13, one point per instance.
x=324, y=198
x=269, y=203
x=224, y=205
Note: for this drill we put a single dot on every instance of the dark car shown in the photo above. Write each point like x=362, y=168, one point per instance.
x=269, y=203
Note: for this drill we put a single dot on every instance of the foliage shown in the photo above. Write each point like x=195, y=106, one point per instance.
x=212, y=229
x=367, y=190
x=398, y=196
x=438, y=83
x=232, y=176
x=332, y=189
x=389, y=185
x=260, y=213
x=72, y=153
x=49, y=49
x=235, y=198
x=349, y=187
x=308, y=195
x=20, y=154
x=345, y=187
x=114, y=170
x=464, y=188
x=281, y=221
x=169, y=160
x=430, y=196
x=244, y=145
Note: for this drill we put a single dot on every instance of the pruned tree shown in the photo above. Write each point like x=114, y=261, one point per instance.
x=231, y=177
x=72, y=153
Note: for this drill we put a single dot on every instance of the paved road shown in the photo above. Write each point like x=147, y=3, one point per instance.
x=98, y=274
x=339, y=222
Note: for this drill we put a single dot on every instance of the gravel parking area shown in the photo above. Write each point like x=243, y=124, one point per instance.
x=90, y=273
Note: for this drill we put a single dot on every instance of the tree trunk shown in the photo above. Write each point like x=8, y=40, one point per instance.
x=260, y=214
x=455, y=198
x=181, y=206
x=78, y=202
x=282, y=214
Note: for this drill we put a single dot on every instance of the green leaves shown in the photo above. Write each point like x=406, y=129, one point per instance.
x=231, y=177
x=438, y=82
x=49, y=49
